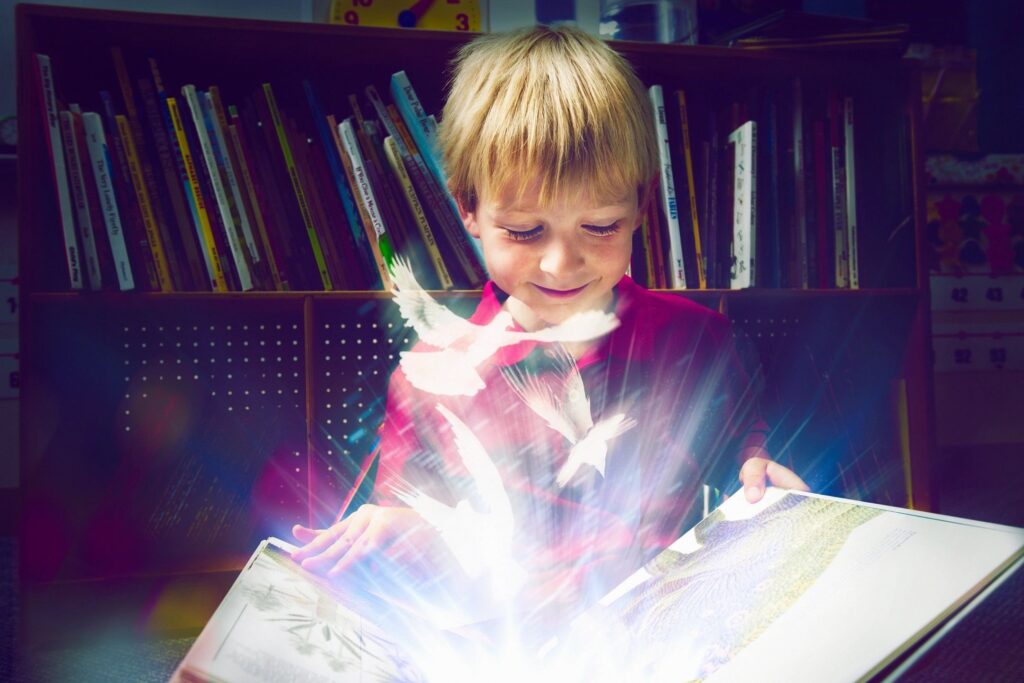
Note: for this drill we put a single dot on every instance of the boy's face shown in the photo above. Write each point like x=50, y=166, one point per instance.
x=557, y=259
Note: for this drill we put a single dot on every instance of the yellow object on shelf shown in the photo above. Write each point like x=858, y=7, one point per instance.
x=437, y=15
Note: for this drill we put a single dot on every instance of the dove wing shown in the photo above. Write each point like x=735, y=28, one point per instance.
x=435, y=324
x=577, y=403
x=481, y=467
x=611, y=427
x=434, y=512
x=536, y=394
x=579, y=327
x=445, y=372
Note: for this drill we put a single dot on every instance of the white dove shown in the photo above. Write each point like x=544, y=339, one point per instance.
x=480, y=541
x=452, y=370
x=568, y=413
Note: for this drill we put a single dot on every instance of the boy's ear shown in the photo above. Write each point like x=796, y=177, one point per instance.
x=468, y=217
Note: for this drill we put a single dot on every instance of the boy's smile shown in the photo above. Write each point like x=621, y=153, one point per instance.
x=555, y=259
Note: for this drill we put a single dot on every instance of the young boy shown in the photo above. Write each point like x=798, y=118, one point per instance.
x=549, y=145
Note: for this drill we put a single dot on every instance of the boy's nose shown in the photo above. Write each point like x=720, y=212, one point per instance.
x=561, y=258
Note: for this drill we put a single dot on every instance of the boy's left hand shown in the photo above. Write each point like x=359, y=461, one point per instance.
x=759, y=468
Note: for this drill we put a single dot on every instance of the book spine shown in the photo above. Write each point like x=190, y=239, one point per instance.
x=300, y=196
x=108, y=276
x=311, y=182
x=229, y=163
x=382, y=276
x=838, y=195
x=139, y=249
x=236, y=135
x=744, y=202
x=335, y=218
x=648, y=252
x=166, y=239
x=371, y=144
x=662, y=279
x=667, y=191
x=802, y=247
x=145, y=207
x=205, y=231
x=58, y=170
x=99, y=154
x=81, y=201
x=325, y=125
x=851, y=194
x=285, y=223
x=172, y=169
x=382, y=249
x=712, y=210
x=702, y=279
x=192, y=98
x=391, y=151
x=825, y=265
x=423, y=130
x=434, y=195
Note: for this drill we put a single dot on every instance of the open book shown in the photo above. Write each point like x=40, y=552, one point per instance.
x=796, y=587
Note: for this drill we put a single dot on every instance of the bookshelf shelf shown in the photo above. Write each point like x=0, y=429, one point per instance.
x=270, y=398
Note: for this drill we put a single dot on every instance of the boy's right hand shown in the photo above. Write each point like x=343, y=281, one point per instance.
x=370, y=535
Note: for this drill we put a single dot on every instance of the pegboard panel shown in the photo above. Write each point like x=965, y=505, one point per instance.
x=828, y=371
x=356, y=346
x=186, y=446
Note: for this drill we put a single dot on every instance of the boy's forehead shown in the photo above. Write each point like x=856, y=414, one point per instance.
x=516, y=197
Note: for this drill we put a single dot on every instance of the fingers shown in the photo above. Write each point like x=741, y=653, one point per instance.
x=784, y=477
x=757, y=470
x=333, y=547
x=752, y=477
x=304, y=534
x=321, y=539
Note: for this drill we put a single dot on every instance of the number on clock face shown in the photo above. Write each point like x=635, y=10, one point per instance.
x=450, y=15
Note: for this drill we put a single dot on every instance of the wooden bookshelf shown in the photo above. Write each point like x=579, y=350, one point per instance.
x=252, y=410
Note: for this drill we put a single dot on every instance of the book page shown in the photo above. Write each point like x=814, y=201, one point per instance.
x=796, y=587
x=278, y=625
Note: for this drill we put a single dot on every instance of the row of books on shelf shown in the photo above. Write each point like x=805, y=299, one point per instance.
x=182, y=192
x=754, y=193
x=179, y=191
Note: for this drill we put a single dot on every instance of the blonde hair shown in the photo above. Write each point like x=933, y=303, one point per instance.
x=547, y=105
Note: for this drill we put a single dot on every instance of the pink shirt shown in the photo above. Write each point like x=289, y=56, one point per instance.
x=670, y=365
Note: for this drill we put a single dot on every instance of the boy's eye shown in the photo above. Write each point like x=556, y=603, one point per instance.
x=602, y=229
x=524, y=235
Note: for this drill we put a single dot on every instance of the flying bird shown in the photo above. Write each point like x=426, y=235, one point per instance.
x=480, y=541
x=566, y=409
x=462, y=345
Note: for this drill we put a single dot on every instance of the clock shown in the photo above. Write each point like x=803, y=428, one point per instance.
x=437, y=15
